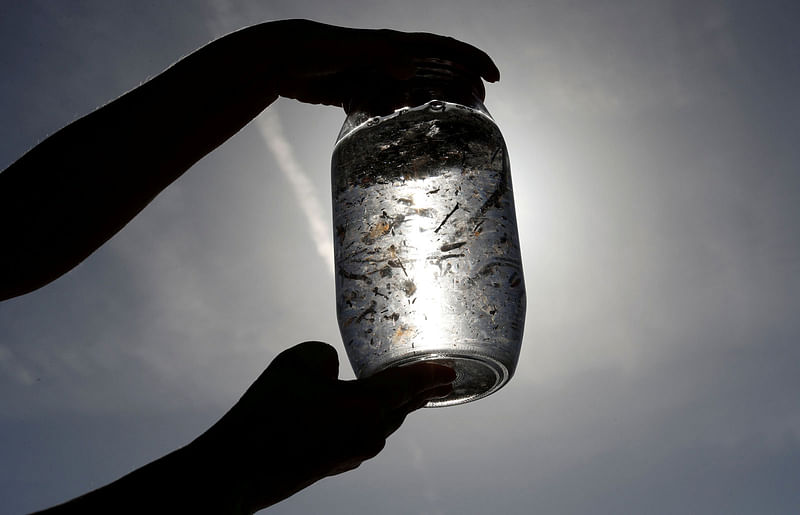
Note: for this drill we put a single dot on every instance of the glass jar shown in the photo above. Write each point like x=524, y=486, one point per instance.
x=426, y=247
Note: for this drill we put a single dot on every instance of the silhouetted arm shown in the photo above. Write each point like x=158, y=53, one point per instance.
x=297, y=424
x=72, y=192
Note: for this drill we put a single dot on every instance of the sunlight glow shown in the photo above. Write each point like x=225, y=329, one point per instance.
x=427, y=317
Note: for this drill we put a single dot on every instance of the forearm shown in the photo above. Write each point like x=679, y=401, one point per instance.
x=181, y=482
x=76, y=189
x=297, y=423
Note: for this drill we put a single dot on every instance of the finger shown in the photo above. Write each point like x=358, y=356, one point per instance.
x=426, y=45
x=327, y=64
x=397, y=386
x=394, y=419
x=366, y=450
x=308, y=358
x=394, y=51
x=437, y=393
x=371, y=447
x=363, y=435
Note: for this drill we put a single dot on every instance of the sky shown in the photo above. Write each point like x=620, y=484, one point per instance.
x=655, y=162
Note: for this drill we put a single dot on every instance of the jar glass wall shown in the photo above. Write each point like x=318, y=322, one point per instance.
x=426, y=246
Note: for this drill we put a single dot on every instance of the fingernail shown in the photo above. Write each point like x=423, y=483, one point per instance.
x=439, y=392
x=444, y=373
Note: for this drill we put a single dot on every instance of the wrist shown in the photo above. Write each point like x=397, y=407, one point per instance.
x=214, y=483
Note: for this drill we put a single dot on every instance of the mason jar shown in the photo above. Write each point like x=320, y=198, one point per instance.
x=426, y=245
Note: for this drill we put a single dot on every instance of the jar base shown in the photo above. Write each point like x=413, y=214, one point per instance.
x=476, y=376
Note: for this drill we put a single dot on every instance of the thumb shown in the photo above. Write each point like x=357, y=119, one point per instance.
x=316, y=359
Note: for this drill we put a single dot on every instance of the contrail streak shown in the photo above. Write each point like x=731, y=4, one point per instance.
x=269, y=125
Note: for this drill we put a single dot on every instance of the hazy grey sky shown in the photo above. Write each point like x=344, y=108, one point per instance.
x=656, y=166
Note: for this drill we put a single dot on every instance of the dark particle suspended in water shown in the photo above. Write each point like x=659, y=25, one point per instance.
x=356, y=277
x=452, y=246
x=409, y=287
x=446, y=218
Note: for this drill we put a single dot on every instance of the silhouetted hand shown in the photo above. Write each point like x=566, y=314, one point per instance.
x=295, y=425
x=73, y=191
x=322, y=64
x=298, y=423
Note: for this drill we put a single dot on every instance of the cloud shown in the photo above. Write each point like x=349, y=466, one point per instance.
x=10, y=367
